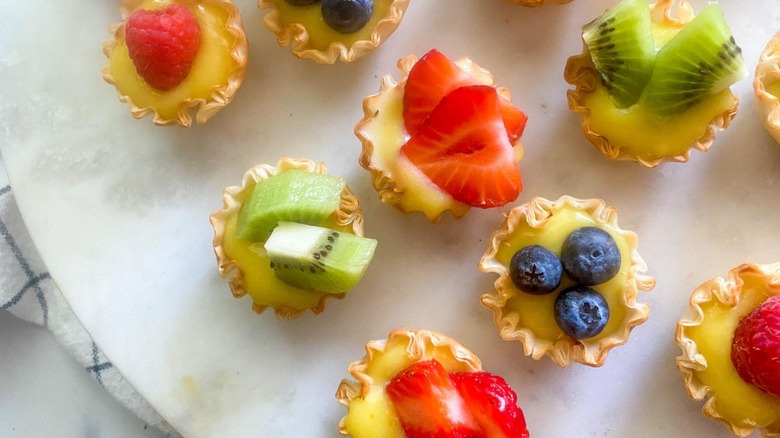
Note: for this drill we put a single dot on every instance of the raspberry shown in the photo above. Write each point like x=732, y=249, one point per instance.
x=163, y=44
x=755, y=350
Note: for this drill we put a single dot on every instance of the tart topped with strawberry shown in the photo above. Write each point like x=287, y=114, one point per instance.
x=766, y=85
x=443, y=138
x=568, y=280
x=328, y=30
x=176, y=59
x=652, y=84
x=419, y=384
x=291, y=236
x=731, y=349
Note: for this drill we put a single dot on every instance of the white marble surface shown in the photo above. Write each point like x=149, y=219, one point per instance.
x=44, y=392
x=119, y=210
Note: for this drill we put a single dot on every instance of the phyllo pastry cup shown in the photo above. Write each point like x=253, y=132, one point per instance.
x=369, y=408
x=215, y=75
x=634, y=134
x=382, y=133
x=303, y=28
x=530, y=319
x=767, y=86
x=246, y=266
x=705, y=334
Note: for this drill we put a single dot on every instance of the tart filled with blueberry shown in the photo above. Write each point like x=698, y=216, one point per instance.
x=176, y=59
x=731, y=349
x=290, y=236
x=766, y=85
x=568, y=280
x=652, y=81
x=328, y=30
x=443, y=138
x=418, y=384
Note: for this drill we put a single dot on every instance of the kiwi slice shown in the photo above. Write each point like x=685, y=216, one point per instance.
x=292, y=195
x=317, y=258
x=701, y=60
x=621, y=45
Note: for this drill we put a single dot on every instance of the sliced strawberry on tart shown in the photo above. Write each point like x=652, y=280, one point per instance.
x=443, y=138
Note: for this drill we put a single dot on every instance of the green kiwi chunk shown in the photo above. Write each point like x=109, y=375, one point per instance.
x=622, y=48
x=317, y=258
x=292, y=195
x=701, y=60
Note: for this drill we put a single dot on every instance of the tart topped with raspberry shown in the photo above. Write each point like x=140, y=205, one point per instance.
x=766, y=85
x=417, y=384
x=176, y=59
x=326, y=31
x=652, y=82
x=731, y=349
x=568, y=280
x=444, y=138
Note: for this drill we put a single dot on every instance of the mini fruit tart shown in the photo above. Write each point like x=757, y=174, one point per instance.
x=568, y=280
x=176, y=59
x=731, y=350
x=291, y=236
x=652, y=84
x=328, y=30
x=444, y=138
x=767, y=86
x=419, y=383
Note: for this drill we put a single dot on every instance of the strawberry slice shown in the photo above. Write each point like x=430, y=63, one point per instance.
x=428, y=404
x=434, y=76
x=493, y=404
x=464, y=150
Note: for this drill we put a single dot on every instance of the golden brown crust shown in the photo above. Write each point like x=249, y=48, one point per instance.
x=203, y=109
x=581, y=73
x=563, y=351
x=349, y=214
x=727, y=291
x=417, y=343
x=768, y=72
x=297, y=36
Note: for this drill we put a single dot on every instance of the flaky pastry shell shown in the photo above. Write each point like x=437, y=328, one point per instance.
x=297, y=36
x=581, y=72
x=727, y=291
x=202, y=109
x=418, y=345
x=386, y=186
x=768, y=72
x=349, y=214
x=563, y=350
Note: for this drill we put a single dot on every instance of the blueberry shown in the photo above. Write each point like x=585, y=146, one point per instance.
x=535, y=270
x=590, y=256
x=301, y=2
x=347, y=16
x=581, y=312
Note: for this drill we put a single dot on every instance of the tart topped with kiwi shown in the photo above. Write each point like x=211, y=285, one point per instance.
x=443, y=138
x=326, y=31
x=176, y=59
x=291, y=236
x=731, y=350
x=568, y=280
x=418, y=383
x=652, y=84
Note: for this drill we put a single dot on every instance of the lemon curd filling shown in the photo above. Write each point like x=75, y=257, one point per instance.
x=535, y=312
x=737, y=401
x=210, y=69
x=774, y=89
x=320, y=34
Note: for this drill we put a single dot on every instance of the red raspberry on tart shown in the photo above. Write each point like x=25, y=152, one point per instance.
x=755, y=350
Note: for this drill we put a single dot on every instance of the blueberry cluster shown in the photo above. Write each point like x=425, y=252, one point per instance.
x=343, y=16
x=589, y=256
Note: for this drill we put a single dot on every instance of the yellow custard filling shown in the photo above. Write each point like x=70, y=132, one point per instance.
x=739, y=402
x=210, y=69
x=773, y=88
x=535, y=312
x=320, y=34
x=259, y=279
x=373, y=415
